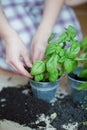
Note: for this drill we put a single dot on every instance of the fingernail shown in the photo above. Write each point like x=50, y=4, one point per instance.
x=29, y=64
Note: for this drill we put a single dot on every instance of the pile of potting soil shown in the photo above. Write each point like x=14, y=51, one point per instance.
x=19, y=105
x=69, y=112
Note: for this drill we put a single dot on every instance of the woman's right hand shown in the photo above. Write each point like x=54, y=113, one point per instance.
x=14, y=49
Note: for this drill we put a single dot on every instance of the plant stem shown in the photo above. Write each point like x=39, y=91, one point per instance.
x=81, y=59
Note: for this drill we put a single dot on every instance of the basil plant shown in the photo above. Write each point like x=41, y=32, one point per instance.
x=83, y=60
x=60, y=57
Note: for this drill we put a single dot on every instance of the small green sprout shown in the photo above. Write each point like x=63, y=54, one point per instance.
x=53, y=116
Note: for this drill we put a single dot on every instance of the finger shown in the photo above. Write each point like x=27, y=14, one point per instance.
x=20, y=68
x=41, y=56
x=26, y=59
x=13, y=66
x=9, y=62
x=36, y=55
x=31, y=52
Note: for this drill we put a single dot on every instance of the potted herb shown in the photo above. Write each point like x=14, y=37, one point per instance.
x=60, y=58
x=78, y=79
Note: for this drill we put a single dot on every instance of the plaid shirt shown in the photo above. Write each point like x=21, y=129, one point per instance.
x=25, y=15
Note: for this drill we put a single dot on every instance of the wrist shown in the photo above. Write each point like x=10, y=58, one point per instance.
x=7, y=32
x=45, y=30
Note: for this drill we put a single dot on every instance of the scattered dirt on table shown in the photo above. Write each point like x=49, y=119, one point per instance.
x=19, y=105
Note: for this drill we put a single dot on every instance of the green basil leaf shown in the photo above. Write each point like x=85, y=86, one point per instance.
x=39, y=77
x=85, y=65
x=58, y=49
x=62, y=59
x=84, y=43
x=38, y=68
x=52, y=63
x=70, y=65
x=62, y=38
x=83, y=73
x=83, y=55
x=51, y=37
x=62, y=52
x=83, y=86
x=53, y=76
x=71, y=31
x=73, y=50
x=51, y=48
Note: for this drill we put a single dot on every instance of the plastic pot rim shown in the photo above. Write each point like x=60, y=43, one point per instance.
x=73, y=79
x=45, y=82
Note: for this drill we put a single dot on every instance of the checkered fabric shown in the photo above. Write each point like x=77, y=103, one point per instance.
x=25, y=15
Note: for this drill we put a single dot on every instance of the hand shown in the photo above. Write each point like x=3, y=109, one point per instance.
x=14, y=49
x=38, y=45
x=50, y=15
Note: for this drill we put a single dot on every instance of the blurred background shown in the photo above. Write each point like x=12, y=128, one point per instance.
x=81, y=12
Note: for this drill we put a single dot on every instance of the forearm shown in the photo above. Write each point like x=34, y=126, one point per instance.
x=51, y=11
x=5, y=29
x=75, y=2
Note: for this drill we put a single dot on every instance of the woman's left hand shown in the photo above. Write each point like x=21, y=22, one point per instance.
x=38, y=45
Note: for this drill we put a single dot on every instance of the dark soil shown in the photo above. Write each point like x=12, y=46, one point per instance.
x=19, y=106
x=77, y=77
x=69, y=112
